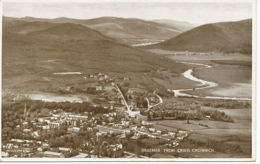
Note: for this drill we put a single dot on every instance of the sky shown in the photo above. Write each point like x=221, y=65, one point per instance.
x=196, y=12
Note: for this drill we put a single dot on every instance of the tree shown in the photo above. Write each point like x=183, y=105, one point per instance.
x=78, y=123
x=149, y=117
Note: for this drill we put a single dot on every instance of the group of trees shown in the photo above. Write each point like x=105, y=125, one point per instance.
x=172, y=115
x=228, y=104
x=181, y=115
x=66, y=141
x=37, y=106
x=92, y=90
x=11, y=116
x=147, y=142
x=141, y=102
x=140, y=98
x=217, y=115
x=176, y=105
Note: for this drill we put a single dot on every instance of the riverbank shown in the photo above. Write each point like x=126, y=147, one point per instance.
x=230, y=93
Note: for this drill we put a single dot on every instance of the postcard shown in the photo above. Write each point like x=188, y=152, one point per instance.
x=128, y=80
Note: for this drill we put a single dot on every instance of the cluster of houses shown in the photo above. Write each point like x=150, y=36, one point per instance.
x=23, y=147
x=147, y=129
x=34, y=129
x=99, y=76
x=144, y=129
x=56, y=120
x=179, y=137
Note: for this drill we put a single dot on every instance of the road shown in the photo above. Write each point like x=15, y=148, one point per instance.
x=122, y=96
x=129, y=111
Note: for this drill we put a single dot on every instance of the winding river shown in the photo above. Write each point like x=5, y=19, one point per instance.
x=203, y=85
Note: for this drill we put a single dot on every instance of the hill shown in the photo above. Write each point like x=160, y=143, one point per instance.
x=30, y=58
x=224, y=37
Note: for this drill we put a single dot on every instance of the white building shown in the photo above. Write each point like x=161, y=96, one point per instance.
x=81, y=155
x=64, y=149
x=53, y=154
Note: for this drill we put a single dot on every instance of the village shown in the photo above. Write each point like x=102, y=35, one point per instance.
x=35, y=145
x=82, y=134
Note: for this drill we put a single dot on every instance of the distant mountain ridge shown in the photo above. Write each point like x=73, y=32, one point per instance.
x=224, y=36
x=127, y=30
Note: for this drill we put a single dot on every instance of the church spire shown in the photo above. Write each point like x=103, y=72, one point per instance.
x=25, y=110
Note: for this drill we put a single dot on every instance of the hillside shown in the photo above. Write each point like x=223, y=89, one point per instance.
x=224, y=37
x=30, y=58
x=67, y=32
x=126, y=30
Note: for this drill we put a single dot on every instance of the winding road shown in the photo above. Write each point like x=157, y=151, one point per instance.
x=203, y=85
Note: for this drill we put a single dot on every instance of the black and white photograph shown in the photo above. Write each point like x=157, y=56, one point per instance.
x=128, y=80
